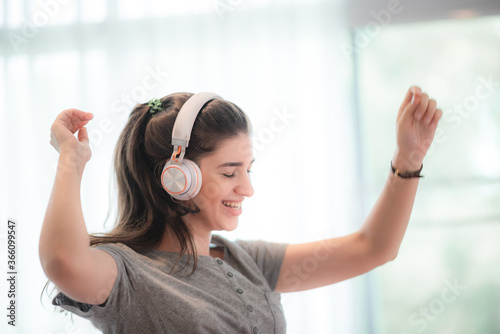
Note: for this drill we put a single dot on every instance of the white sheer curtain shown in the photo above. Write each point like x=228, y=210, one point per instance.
x=280, y=61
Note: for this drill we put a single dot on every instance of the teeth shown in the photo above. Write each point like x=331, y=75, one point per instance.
x=233, y=205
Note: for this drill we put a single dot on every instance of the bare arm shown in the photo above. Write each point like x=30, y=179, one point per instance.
x=316, y=264
x=416, y=125
x=84, y=274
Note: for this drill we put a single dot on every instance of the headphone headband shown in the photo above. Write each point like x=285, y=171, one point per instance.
x=181, y=178
x=187, y=115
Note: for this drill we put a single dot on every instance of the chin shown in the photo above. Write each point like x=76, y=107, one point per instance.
x=229, y=226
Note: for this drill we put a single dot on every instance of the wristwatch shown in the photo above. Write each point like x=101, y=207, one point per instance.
x=406, y=174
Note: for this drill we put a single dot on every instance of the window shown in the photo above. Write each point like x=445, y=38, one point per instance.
x=446, y=277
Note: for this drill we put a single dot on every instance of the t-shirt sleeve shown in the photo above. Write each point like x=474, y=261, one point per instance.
x=267, y=255
x=121, y=288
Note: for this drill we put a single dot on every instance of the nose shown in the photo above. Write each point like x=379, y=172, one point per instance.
x=244, y=187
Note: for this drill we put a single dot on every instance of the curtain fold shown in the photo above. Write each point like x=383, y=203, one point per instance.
x=281, y=63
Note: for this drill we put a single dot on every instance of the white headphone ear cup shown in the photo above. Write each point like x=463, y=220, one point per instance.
x=174, y=179
x=195, y=183
x=181, y=182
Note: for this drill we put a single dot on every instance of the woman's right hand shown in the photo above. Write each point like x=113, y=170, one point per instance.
x=84, y=274
x=62, y=133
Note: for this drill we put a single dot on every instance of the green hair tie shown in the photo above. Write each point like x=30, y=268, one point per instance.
x=154, y=106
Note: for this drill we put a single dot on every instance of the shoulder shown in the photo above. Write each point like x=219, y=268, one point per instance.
x=118, y=251
x=127, y=258
x=245, y=244
x=114, y=246
x=261, y=252
x=123, y=250
x=254, y=248
x=258, y=260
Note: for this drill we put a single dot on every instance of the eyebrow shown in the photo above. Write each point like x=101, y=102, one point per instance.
x=234, y=164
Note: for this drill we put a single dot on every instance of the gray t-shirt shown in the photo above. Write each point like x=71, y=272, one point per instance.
x=233, y=295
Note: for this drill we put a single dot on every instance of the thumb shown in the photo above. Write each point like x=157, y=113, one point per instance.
x=410, y=102
x=83, y=136
x=408, y=115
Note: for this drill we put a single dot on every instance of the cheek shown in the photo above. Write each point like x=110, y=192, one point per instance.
x=210, y=193
x=211, y=190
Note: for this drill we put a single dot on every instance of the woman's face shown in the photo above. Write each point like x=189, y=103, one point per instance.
x=225, y=184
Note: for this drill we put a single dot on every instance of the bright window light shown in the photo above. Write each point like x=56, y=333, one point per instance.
x=15, y=15
x=93, y=10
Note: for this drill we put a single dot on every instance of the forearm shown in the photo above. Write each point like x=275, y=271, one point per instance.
x=64, y=235
x=386, y=224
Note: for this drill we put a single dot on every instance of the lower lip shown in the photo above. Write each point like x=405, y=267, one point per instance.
x=234, y=212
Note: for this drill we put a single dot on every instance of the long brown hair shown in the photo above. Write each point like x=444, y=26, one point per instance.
x=145, y=209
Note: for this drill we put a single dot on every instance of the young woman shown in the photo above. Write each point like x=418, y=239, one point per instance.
x=160, y=270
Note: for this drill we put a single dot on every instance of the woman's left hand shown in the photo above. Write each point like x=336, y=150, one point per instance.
x=415, y=128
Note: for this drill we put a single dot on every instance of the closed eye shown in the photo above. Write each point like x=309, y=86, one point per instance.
x=234, y=174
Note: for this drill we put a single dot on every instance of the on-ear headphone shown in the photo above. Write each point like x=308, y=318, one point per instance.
x=180, y=177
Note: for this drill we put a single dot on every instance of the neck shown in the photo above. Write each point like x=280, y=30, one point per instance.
x=201, y=238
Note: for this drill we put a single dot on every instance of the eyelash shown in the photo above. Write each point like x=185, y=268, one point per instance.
x=232, y=175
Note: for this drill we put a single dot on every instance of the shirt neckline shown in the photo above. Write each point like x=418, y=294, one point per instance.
x=217, y=240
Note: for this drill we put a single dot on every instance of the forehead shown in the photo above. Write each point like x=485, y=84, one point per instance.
x=236, y=149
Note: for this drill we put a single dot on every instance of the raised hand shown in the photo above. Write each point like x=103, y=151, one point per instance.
x=62, y=133
x=416, y=125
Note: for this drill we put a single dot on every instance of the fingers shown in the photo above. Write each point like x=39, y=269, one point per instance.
x=429, y=113
x=410, y=110
x=437, y=116
x=419, y=106
x=412, y=96
x=73, y=119
x=422, y=107
x=66, y=125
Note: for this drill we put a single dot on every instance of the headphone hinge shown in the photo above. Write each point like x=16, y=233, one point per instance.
x=178, y=155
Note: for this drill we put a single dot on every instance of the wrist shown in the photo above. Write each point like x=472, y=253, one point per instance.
x=407, y=174
x=71, y=159
x=404, y=163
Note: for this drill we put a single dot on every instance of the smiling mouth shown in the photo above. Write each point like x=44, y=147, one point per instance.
x=232, y=205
